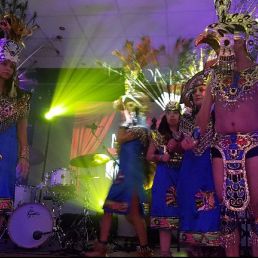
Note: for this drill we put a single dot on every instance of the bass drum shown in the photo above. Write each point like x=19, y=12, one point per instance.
x=30, y=225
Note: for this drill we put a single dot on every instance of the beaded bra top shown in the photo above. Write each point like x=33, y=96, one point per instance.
x=11, y=110
x=231, y=89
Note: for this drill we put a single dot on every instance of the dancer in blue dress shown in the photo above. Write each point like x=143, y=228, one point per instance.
x=199, y=208
x=14, y=109
x=164, y=150
x=126, y=195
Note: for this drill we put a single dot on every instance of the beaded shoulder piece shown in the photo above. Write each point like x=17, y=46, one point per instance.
x=157, y=138
x=141, y=133
x=187, y=125
x=230, y=89
x=11, y=110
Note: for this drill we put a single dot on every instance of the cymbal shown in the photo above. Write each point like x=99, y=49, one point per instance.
x=89, y=160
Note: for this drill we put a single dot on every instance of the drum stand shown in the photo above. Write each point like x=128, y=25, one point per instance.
x=79, y=233
x=3, y=227
x=57, y=233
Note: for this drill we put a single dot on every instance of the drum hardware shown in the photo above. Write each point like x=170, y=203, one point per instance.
x=60, y=185
x=38, y=234
x=28, y=219
x=32, y=224
x=78, y=233
x=24, y=194
x=3, y=224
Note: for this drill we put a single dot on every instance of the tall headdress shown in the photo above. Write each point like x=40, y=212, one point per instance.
x=14, y=28
x=143, y=72
x=199, y=79
x=173, y=106
x=241, y=23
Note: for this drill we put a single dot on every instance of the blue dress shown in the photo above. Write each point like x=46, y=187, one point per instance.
x=164, y=207
x=11, y=111
x=199, y=207
x=129, y=180
x=8, y=151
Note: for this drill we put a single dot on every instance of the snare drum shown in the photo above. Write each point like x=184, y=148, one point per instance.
x=61, y=184
x=60, y=177
x=24, y=194
x=30, y=225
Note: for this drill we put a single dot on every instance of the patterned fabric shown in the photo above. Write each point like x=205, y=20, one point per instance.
x=129, y=181
x=164, y=208
x=171, y=196
x=233, y=149
x=6, y=204
x=9, y=50
x=201, y=239
x=230, y=89
x=164, y=222
x=187, y=125
x=205, y=200
x=198, y=204
x=11, y=110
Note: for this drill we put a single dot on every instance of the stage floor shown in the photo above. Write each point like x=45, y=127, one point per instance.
x=119, y=249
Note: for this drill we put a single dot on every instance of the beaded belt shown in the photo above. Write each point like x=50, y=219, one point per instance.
x=233, y=148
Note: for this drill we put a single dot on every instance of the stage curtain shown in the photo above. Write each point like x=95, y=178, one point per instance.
x=84, y=141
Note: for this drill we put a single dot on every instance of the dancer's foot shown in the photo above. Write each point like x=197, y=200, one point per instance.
x=99, y=250
x=144, y=251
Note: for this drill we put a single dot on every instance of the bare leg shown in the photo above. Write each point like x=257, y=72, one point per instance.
x=105, y=226
x=138, y=221
x=252, y=176
x=165, y=242
x=231, y=249
x=218, y=176
x=100, y=247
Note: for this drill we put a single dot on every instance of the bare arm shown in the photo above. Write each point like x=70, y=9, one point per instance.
x=203, y=116
x=22, y=133
x=23, y=161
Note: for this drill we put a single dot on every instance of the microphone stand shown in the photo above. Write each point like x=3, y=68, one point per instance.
x=43, y=176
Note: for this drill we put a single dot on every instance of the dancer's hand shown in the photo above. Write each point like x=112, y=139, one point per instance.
x=188, y=143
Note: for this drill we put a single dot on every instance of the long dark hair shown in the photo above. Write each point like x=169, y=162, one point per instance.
x=14, y=82
x=164, y=128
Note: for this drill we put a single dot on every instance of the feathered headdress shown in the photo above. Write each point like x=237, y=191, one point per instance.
x=200, y=78
x=242, y=23
x=15, y=27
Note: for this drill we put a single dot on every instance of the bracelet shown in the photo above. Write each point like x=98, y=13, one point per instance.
x=22, y=157
x=25, y=152
x=196, y=134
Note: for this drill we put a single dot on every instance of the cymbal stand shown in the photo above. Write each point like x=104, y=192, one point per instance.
x=105, y=148
x=84, y=227
x=58, y=232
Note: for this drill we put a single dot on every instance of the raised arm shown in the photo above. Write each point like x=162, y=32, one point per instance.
x=203, y=116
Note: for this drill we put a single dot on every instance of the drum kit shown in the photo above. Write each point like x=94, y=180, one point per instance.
x=32, y=223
